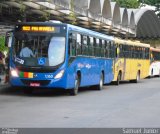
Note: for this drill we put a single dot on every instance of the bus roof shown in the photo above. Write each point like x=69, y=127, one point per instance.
x=155, y=49
x=130, y=42
x=90, y=32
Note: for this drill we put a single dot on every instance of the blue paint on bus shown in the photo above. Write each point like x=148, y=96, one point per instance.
x=89, y=67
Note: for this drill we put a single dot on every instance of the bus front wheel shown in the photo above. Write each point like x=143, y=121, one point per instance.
x=74, y=91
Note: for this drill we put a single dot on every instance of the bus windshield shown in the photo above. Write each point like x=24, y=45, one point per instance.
x=34, y=49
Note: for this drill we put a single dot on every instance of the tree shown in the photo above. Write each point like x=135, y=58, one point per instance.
x=155, y=3
x=2, y=43
x=72, y=14
x=128, y=3
x=136, y=4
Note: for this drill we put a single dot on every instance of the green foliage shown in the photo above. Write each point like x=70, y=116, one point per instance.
x=72, y=15
x=128, y=3
x=22, y=11
x=150, y=2
x=155, y=3
x=45, y=17
x=2, y=43
x=136, y=4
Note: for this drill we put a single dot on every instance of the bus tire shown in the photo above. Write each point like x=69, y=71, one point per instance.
x=137, y=77
x=101, y=83
x=118, y=79
x=152, y=73
x=74, y=91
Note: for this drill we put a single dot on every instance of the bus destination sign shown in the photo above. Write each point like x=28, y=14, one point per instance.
x=38, y=29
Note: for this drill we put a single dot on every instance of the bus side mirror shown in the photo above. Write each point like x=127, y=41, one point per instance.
x=8, y=39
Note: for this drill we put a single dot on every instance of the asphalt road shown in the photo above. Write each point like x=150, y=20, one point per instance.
x=127, y=105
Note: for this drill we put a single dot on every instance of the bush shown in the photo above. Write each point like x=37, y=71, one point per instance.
x=2, y=44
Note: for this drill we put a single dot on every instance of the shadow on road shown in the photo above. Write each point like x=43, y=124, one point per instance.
x=37, y=92
x=8, y=90
x=124, y=82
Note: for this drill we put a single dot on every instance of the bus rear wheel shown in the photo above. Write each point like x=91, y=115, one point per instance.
x=137, y=78
x=74, y=91
x=101, y=83
x=152, y=73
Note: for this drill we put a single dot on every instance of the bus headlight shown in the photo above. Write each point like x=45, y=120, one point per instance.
x=14, y=73
x=59, y=75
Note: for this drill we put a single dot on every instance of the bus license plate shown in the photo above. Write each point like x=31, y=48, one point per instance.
x=34, y=84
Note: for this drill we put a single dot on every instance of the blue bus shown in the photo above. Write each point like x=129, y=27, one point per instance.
x=58, y=55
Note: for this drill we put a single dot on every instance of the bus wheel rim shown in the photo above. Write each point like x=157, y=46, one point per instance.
x=101, y=82
x=76, y=85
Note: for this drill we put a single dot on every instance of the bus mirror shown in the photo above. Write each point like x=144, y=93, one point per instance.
x=8, y=39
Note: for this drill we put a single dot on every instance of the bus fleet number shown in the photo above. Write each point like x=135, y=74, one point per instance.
x=49, y=76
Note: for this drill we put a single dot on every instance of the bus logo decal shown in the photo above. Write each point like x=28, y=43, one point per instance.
x=20, y=61
x=41, y=61
x=88, y=66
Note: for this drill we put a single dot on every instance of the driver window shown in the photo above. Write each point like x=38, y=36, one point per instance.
x=72, y=44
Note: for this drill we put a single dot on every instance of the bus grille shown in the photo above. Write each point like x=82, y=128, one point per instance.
x=42, y=82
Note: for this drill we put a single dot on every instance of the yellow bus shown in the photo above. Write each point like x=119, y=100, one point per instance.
x=132, y=60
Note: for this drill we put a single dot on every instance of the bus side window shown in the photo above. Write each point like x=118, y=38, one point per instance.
x=125, y=51
x=117, y=51
x=132, y=49
x=144, y=53
x=106, y=49
x=79, y=44
x=94, y=46
x=129, y=53
x=97, y=48
x=103, y=48
x=100, y=48
x=121, y=51
x=112, y=50
x=147, y=56
x=136, y=53
x=91, y=46
x=139, y=53
x=84, y=45
x=72, y=44
x=140, y=50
